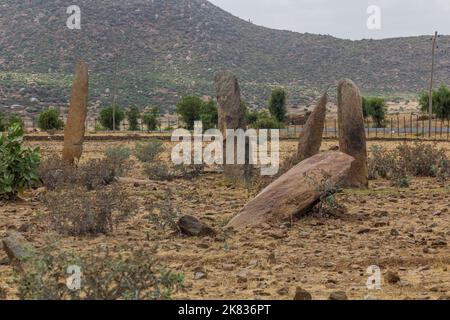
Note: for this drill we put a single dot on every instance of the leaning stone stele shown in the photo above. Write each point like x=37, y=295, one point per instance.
x=76, y=120
x=352, y=136
x=311, y=137
x=231, y=115
x=296, y=192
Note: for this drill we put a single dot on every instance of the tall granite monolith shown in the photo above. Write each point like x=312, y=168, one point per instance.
x=76, y=120
x=352, y=136
x=231, y=114
x=311, y=137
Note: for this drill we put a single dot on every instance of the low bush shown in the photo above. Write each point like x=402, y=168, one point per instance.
x=77, y=212
x=131, y=274
x=18, y=165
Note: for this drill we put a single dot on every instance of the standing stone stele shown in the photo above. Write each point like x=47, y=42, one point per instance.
x=76, y=120
x=352, y=136
x=231, y=117
x=311, y=137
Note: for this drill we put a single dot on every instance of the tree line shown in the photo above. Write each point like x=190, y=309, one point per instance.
x=192, y=108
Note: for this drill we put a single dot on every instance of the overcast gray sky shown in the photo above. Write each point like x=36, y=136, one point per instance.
x=345, y=18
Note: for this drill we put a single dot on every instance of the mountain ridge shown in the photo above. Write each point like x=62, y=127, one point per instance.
x=153, y=52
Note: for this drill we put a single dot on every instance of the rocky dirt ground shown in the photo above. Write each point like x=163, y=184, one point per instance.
x=405, y=231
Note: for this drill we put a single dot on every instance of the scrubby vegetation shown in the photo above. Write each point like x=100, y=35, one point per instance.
x=18, y=164
x=441, y=102
x=277, y=104
x=7, y=121
x=50, y=119
x=150, y=119
x=191, y=109
x=133, y=115
x=78, y=212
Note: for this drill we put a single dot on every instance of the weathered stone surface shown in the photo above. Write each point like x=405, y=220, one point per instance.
x=311, y=137
x=14, y=245
x=191, y=226
x=352, y=137
x=295, y=192
x=76, y=120
x=302, y=295
x=231, y=115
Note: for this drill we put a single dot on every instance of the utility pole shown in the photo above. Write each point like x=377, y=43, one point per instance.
x=430, y=97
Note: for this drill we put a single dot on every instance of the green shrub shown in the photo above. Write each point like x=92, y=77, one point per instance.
x=150, y=119
x=117, y=153
x=133, y=115
x=18, y=165
x=149, y=151
x=277, y=104
x=441, y=102
x=376, y=108
x=108, y=114
x=50, y=119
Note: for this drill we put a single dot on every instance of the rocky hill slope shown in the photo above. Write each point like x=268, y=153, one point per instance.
x=154, y=51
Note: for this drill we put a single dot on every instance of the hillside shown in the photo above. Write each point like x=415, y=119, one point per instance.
x=155, y=51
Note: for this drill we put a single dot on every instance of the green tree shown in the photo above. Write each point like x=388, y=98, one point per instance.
x=150, y=119
x=277, y=104
x=209, y=115
x=50, y=119
x=106, y=117
x=441, y=102
x=188, y=108
x=376, y=108
x=133, y=115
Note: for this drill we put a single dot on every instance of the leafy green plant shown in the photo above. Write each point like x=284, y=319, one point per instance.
x=50, y=119
x=18, y=165
x=77, y=212
x=120, y=156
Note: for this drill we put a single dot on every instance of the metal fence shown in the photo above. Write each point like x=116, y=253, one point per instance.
x=401, y=126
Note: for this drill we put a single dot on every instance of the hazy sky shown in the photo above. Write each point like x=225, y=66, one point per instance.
x=345, y=18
